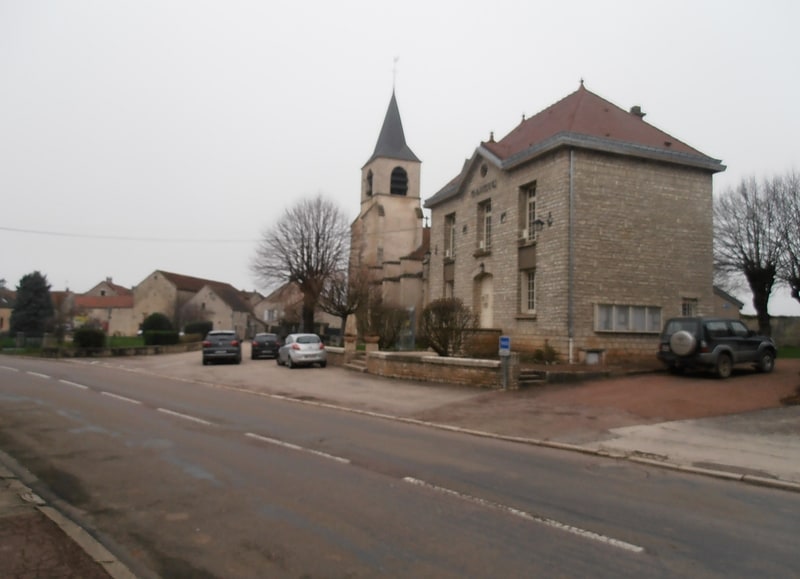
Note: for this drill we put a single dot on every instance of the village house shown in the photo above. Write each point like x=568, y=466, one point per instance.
x=584, y=228
x=280, y=313
x=185, y=299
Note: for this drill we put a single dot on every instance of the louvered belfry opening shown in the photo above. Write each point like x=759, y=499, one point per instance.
x=399, y=185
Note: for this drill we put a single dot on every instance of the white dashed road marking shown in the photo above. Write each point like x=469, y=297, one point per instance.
x=185, y=416
x=522, y=514
x=296, y=447
x=75, y=384
x=38, y=375
x=118, y=397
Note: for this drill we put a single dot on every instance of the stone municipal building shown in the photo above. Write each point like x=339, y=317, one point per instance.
x=585, y=227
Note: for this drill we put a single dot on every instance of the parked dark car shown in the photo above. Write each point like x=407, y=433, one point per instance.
x=222, y=345
x=302, y=350
x=265, y=346
x=715, y=344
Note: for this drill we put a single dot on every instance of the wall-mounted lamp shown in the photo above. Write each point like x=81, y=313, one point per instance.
x=538, y=224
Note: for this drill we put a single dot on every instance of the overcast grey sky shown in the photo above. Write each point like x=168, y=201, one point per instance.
x=167, y=134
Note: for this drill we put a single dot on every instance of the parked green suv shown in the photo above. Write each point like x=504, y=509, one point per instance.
x=715, y=344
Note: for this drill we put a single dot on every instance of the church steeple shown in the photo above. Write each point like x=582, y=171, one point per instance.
x=392, y=140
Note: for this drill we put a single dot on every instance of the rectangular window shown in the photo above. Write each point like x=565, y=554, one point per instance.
x=450, y=236
x=529, y=291
x=625, y=318
x=449, y=289
x=485, y=225
x=527, y=212
x=689, y=307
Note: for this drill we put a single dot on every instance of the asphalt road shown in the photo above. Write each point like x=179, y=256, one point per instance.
x=182, y=479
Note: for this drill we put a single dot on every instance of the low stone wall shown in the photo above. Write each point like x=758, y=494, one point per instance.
x=63, y=352
x=429, y=367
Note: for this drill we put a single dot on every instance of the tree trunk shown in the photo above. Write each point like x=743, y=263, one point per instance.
x=761, y=282
x=309, y=305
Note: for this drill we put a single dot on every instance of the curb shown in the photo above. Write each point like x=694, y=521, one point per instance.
x=93, y=548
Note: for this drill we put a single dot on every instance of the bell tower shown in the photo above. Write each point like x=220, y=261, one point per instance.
x=389, y=225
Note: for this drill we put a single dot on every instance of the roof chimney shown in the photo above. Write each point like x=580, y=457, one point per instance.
x=636, y=110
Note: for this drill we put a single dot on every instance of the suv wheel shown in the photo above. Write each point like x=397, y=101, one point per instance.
x=682, y=343
x=724, y=365
x=766, y=362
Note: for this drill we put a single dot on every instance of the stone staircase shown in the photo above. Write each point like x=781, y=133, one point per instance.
x=529, y=378
x=358, y=363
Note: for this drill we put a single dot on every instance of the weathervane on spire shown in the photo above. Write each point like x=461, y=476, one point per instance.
x=394, y=72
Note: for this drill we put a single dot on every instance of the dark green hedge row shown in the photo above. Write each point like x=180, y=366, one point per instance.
x=201, y=328
x=89, y=338
x=161, y=337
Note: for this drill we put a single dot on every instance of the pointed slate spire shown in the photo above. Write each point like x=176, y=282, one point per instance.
x=392, y=140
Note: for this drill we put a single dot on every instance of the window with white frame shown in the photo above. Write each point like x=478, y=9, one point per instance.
x=528, y=286
x=485, y=225
x=627, y=318
x=450, y=236
x=449, y=289
x=530, y=212
x=689, y=307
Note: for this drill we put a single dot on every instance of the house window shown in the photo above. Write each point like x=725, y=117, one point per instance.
x=626, y=318
x=689, y=307
x=450, y=236
x=485, y=225
x=369, y=183
x=527, y=211
x=449, y=289
x=380, y=255
x=528, y=286
x=399, y=184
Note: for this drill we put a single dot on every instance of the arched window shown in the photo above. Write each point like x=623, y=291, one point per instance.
x=369, y=183
x=399, y=181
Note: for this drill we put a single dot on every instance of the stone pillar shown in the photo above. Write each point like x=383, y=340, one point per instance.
x=371, y=343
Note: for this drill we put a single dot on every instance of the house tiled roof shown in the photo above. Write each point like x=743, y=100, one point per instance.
x=585, y=113
x=229, y=294
x=582, y=120
x=187, y=282
x=121, y=290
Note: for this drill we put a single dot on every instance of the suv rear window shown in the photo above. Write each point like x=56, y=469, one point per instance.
x=674, y=326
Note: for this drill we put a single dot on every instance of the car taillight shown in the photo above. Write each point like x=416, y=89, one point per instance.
x=234, y=342
x=321, y=346
x=206, y=344
x=295, y=347
x=704, y=346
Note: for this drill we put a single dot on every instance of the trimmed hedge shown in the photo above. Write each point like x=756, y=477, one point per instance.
x=161, y=337
x=201, y=328
x=89, y=338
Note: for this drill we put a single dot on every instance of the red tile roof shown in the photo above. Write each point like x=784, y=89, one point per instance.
x=583, y=120
x=585, y=113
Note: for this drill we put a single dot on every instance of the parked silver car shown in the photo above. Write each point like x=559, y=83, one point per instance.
x=302, y=350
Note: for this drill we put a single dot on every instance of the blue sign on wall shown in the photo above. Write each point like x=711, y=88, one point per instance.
x=505, y=345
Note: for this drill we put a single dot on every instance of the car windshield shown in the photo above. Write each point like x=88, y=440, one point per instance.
x=307, y=339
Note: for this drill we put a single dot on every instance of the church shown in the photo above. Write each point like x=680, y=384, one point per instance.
x=388, y=238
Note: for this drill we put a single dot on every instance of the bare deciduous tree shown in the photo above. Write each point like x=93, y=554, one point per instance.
x=344, y=293
x=444, y=322
x=747, y=241
x=787, y=190
x=306, y=246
